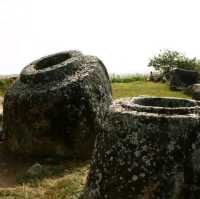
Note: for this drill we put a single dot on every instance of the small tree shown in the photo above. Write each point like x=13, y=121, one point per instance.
x=168, y=60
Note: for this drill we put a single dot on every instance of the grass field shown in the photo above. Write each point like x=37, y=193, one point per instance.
x=67, y=184
x=137, y=88
x=4, y=84
x=133, y=88
x=70, y=183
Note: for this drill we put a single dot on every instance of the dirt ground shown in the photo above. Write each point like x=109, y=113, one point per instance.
x=10, y=167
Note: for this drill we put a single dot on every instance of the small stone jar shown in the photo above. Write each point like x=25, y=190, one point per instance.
x=56, y=106
x=148, y=148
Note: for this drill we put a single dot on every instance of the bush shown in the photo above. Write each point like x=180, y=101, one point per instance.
x=167, y=60
x=4, y=84
x=127, y=78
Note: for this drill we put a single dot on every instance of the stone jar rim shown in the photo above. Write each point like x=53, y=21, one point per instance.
x=161, y=105
x=50, y=68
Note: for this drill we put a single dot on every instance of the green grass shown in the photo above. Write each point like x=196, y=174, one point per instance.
x=4, y=84
x=144, y=88
x=67, y=186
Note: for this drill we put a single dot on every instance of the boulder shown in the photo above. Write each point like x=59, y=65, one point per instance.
x=56, y=106
x=155, y=76
x=194, y=91
x=36, y=170
x=181, y=78
x=148, y=147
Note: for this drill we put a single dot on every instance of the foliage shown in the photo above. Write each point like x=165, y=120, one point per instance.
x=4, y=84
x=167, y=60
x=127, y=78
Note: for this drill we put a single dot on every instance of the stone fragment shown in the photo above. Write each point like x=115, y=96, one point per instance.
x=194, y=91
x=35, y=170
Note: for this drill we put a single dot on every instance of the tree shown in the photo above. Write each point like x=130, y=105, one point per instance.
x=167, y=60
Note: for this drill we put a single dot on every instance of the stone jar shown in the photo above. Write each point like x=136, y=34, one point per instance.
x=180, y=79
x=56, y=106
x=148, y=148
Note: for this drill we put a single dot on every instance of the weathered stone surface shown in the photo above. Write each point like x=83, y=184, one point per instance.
x=181, y=78
x=147, y=148
x=194, y=91
x=56, y=105
x=35, y=170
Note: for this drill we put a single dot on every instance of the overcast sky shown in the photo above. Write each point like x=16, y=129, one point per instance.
x=124, y=34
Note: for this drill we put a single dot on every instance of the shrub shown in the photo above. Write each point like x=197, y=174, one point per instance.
x=127, y=78
x=167, y=60
x=4, y=84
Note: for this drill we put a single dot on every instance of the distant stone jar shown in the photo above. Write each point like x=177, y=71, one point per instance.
x=180, y=78
x=56, y=106
x=148, y=148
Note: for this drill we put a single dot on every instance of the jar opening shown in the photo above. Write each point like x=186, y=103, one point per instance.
x=161, y=105
x=164, y=102
x=52, y=60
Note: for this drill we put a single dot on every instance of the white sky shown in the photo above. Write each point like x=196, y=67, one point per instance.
x=124, y=34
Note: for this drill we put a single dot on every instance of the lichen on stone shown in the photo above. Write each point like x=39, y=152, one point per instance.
x=56, y=106
x=145, y=149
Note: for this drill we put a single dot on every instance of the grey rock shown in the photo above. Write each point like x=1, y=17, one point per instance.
x=194, y=91
x=181, y=78
x=148, y=147
x=56, y=106
x=155, y=76
x=35, y=170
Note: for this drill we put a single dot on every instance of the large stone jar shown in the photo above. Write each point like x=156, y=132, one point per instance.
x=57, y=105
x=148, y=148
